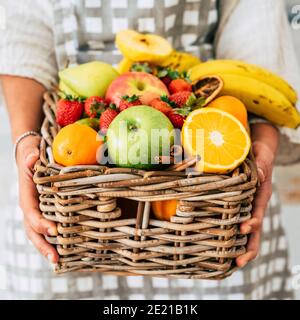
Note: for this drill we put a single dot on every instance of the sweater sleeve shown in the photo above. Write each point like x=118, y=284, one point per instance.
x=258, y=32
x=27, y=42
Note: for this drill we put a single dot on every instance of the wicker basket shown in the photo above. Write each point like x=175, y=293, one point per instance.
x=201, y=241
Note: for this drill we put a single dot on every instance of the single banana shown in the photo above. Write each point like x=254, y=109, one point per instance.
x=244, y=69
x=124, y=65
x=180, y=61
x=261, y=99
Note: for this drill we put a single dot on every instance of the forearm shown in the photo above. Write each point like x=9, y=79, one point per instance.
x=24, y=98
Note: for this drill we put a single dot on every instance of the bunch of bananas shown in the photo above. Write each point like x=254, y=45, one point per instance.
x=263, y=92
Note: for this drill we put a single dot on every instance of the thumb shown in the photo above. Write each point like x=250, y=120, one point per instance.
x=264, y=158
x=262, y=169
x=28, y=152
x=31, y=157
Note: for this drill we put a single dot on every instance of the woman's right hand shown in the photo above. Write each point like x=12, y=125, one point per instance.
x=36, y=225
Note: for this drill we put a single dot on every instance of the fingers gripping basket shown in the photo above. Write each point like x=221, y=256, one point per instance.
x=201, y=241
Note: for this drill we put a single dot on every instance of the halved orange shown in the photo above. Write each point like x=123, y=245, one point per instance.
x=221, y=141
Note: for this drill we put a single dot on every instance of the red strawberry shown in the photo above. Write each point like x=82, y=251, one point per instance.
x=69, y=110
x=167, y=75
x=128, y=102
x=179, y=85
x=94, y=106
x=176, y=119
x=161, y=106
x=183, y=98
x=107, y=117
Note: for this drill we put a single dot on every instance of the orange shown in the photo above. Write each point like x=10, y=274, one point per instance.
x=222, y=144
x=164, y=210
x=76, y=144
x=233, y=106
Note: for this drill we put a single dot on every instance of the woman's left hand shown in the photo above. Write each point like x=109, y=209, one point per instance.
x=264, y=152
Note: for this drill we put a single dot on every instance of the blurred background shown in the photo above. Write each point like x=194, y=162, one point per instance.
x=289, y=177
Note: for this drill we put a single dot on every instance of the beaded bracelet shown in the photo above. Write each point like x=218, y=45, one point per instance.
x=22, y=137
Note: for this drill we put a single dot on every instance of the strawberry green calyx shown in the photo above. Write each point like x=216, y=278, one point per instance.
x=130, y=99
x=199, y=103
x=172, y=74
x=166, y=99
x=185, y=76
x=141, y=67
x=184, y=111
x=112, y=106
x=69, y=97
x=191, y=101
x=165, y=72
x=98, y=108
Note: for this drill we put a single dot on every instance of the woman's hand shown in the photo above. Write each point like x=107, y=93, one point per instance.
x=35, y=225
x=24, y=99
x=265, y=141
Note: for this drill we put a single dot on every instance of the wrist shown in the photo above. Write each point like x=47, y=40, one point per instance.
x=19, y=130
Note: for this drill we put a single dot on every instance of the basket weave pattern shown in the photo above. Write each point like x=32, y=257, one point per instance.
x=201, y=241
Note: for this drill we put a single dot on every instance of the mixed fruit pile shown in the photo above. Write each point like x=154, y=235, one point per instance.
x=158, y=88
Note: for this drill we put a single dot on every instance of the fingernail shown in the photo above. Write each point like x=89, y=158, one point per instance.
x=261, y=175
x=53, y=266
x=49, y=257
x=52, y=232
x=247, y=229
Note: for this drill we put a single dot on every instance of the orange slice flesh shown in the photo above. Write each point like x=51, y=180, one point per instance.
x=220, y=140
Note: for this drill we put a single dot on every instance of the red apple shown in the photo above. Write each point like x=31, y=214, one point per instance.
x=142, y=84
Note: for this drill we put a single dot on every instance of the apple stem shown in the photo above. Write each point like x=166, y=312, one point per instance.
x=132, y=127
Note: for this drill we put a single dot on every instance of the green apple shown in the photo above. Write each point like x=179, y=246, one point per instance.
x=87, y=80
x=93, y=123
x=137, y=136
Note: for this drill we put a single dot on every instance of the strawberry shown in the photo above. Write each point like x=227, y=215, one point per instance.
x=128, y=102
x=179, y=85
x=166, y=80
x=68, y=111
x=184, y=98
x=177, y=116
x=107, y=117
x=167, y=75
x=94, y=106
x=176, y=119
x=161, y=105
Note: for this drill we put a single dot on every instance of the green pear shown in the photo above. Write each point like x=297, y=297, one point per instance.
x=66, y=90
x=88, y=79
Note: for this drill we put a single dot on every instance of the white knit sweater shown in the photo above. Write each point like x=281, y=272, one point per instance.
x=256, y=31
